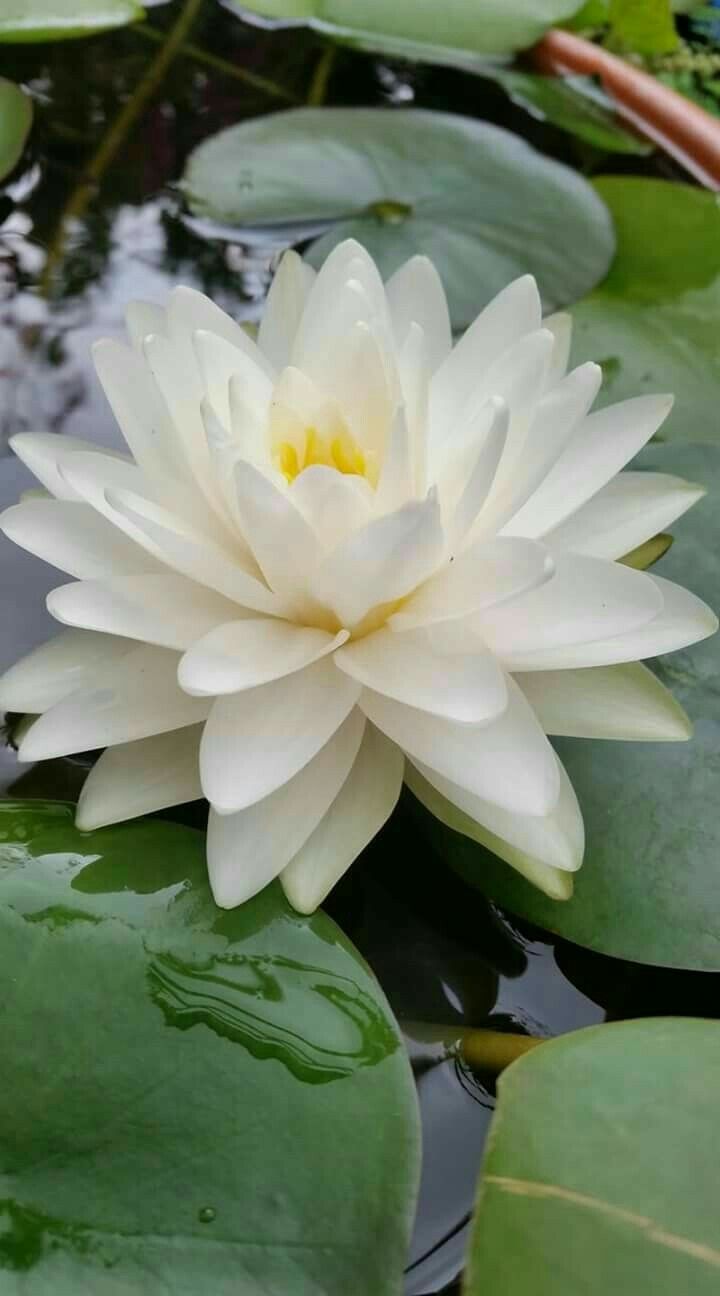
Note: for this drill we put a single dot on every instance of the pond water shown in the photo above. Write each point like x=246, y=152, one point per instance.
x=70, y=259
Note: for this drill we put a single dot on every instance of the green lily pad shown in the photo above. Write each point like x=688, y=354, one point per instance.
x=15, y=122
x=655, y=320
x=575, y=104
x=488, y=209
x=649, y=889
x=601, y=1169
x=193, y=1100
x=483, y=26
x=52, y=20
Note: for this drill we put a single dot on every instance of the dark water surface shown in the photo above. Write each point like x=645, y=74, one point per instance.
x=69, y=262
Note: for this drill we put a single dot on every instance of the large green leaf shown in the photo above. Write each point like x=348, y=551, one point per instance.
x=15, y=123
x=488, y=208
x=649, y=889
x=482, y=26
x=573, y=103
x=193, y=1100
x=601, y=1169
x=654, y=322
x=51, y=20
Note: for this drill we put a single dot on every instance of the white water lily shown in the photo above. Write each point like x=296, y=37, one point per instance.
x=344, y=555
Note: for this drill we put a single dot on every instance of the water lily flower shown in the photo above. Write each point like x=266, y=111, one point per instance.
x=341, y=556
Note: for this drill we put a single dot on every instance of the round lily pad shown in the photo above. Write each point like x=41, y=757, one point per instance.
x=15, y=123
x=479, y=201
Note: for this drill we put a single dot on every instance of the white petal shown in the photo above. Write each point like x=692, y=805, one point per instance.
x=284, y=307
x=482, y=451
x=73, y=537
x=166, y=538
x=416, y=296
x=365, y=802
x=356, y=376
x=256, y=740
x=43, y=452
x=467, y=687
x=632, y=507
x=143, y=318
x=334, y=504
x=546, y=850
x=586, y=600
x=414, y=374
x=55, y=669
x=133, y=697
x=382, y=562
x=248, y=849
x=396, y=484
x=179, y=384
x=684, y=620
x=625, y=702
x=284, y=545
x=487, y=574
x=555, y=419
x=139, y=409
x=246, y=654
x=220, y=362
x=560, y=325
x=508, y=761
x=163, y=609
x=189, y=310
x=347, y=262
x=137, y=778
x=602, y=445
x=513, y=313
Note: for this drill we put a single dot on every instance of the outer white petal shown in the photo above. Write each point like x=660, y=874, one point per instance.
x=334, y=504
x=200, y=560
x=285, y=546
x=416, y=296
x=220, y=362
x=256, y=740
x=508, y=761
x=600, y=448
x=488, y=573
x=414, y=374
x=284, y=308
x=396, y=484
x=545, y=850
x=129, y=698
x=248, y=849
x=189, y=310
x=625, y=702
x=586, y=600
x=43, y=452
x=245, y=654
x=57, y=668
x=163, y=609
x=382, y=562
x=560, y=325
x=143, y=318
x=466, y=687
x=632, y=507
x=137, y=778
x=348, y=262
x=478, y=462
x=513, y=313
x=176, y=376
x=684, y=620
x=70, y=535
x=525, y=464
x=141, y=413
x=366, y=800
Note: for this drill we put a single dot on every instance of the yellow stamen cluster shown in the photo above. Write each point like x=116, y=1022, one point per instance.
x=340, y=451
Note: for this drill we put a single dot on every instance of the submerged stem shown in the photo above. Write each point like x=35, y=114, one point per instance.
x=229, y=69
x=115, y=137
x=317, y=93
x=481, y=1049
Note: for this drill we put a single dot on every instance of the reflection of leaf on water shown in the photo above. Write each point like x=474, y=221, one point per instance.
x=246, y=999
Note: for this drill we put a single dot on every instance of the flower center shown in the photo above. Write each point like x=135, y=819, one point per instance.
x=338, y=450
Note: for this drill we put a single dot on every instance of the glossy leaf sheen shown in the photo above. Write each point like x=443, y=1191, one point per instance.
x=210, y=1101
x=653, y=322
x=487, y=26
x=599, y=1175
x=15, y=123
x=490, y=209
x=51, y=20
x=649, y=889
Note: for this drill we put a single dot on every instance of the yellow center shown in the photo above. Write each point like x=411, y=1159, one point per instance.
x=339, y=450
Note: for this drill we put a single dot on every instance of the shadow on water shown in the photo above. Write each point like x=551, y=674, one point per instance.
x=443, y=954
